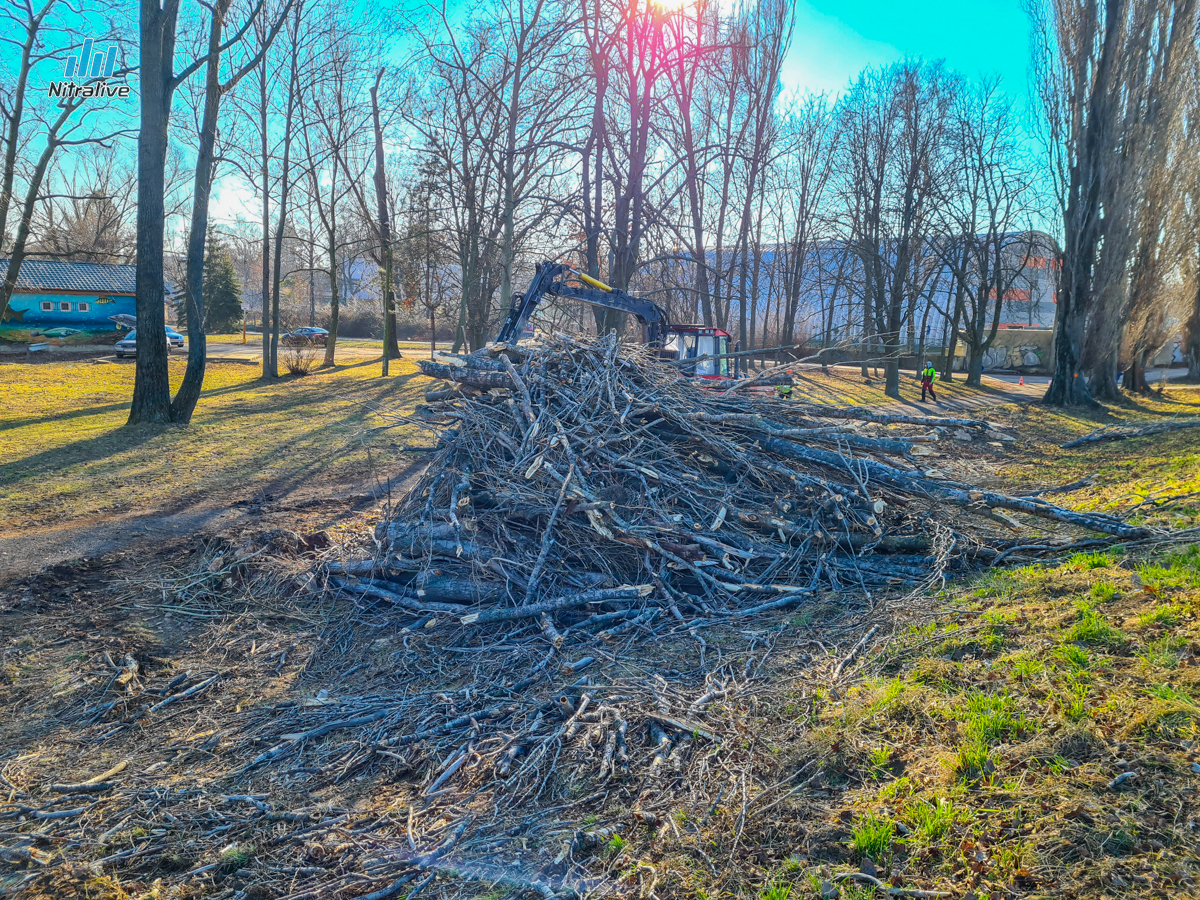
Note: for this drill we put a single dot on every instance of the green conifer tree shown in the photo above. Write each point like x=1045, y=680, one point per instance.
x=222, y=291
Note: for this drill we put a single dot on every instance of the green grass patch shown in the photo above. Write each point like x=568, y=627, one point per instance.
x=1085, y=562
x=1072, y=700
x=1023, y=665
x=1166, y=615
x=1163, y=652
x=1074, y=657
x=1092, y=628
x=1103, y=591
x=236, y=856
x=1178, y=571
x=930, y=821
x=986, y=719
x=897, y=789
x=872, y=838
x=993, y=717
x=879, y=763
x=973, y=761
x=1169, y=693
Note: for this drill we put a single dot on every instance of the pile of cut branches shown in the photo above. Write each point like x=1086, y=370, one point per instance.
x=576, y=476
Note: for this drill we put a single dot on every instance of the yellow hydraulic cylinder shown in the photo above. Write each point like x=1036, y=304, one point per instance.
x=588, y=279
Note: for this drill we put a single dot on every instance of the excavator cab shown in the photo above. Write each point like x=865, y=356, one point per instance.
x=686, y=342
x=702, y=343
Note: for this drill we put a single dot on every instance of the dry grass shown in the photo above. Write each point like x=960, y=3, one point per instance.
x=1146, y=471
x=65, y=453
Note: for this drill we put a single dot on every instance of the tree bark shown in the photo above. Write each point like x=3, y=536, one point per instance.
x=1191, y=338
x=270, y=365
x=391, y=349
x=334, y=302
x=188, y=394
x=1082, y=225
x=151, y=385
x=284, y=188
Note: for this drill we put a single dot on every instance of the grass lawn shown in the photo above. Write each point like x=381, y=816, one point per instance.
x=1037, y=738
x=255, y=337
x=844, y=386
x=1124, y=473
x=66, y=452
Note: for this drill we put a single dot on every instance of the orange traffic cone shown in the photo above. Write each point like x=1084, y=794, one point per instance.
x=1022, y=381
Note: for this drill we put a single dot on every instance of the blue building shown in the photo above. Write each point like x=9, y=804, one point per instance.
x=67, y=302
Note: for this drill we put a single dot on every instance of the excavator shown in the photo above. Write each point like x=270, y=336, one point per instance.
x=670, y=341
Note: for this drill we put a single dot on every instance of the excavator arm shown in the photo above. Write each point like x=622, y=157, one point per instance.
x=551, y=278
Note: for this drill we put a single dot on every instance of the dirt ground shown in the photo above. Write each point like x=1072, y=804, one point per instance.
x=189, y=712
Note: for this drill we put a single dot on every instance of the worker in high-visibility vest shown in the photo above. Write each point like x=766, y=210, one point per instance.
x=927, y=376
x=785, y=390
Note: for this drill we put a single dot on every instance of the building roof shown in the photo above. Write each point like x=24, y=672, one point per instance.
x=51, y=276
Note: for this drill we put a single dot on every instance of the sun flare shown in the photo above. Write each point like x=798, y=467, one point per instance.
x=671, y=5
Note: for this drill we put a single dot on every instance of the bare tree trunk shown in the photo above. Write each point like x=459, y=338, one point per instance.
x=1191, y=337
x=285, y=179
x=270, y=366
x=312, y=297
x=334, y=300
x=956, y=318
x=1082, y=224
x=1135, y=375
x=385, y=233
x=151, y=385
x=188, y=394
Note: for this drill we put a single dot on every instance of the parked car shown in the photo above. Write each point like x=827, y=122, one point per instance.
x=302, y=336
x=127, y=346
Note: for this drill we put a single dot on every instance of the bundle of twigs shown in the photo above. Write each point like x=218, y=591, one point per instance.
x=576, y=476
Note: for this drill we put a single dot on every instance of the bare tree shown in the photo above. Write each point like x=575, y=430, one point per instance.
x=811, y=130
x=984, y=237
x=1139, y=250
x=89, y=212
x=768, y=35
x=1189, y=224
x=159, y=82
x=1095, y=65
x=894, y=123
x=334, y=119
x=216, y=86
x=384, y=226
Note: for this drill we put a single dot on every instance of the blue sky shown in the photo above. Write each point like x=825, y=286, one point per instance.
x=835, y=40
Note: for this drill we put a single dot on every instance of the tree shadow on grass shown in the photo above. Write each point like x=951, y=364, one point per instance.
x=306, y=447
x=87, y=450
x=249, y=387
